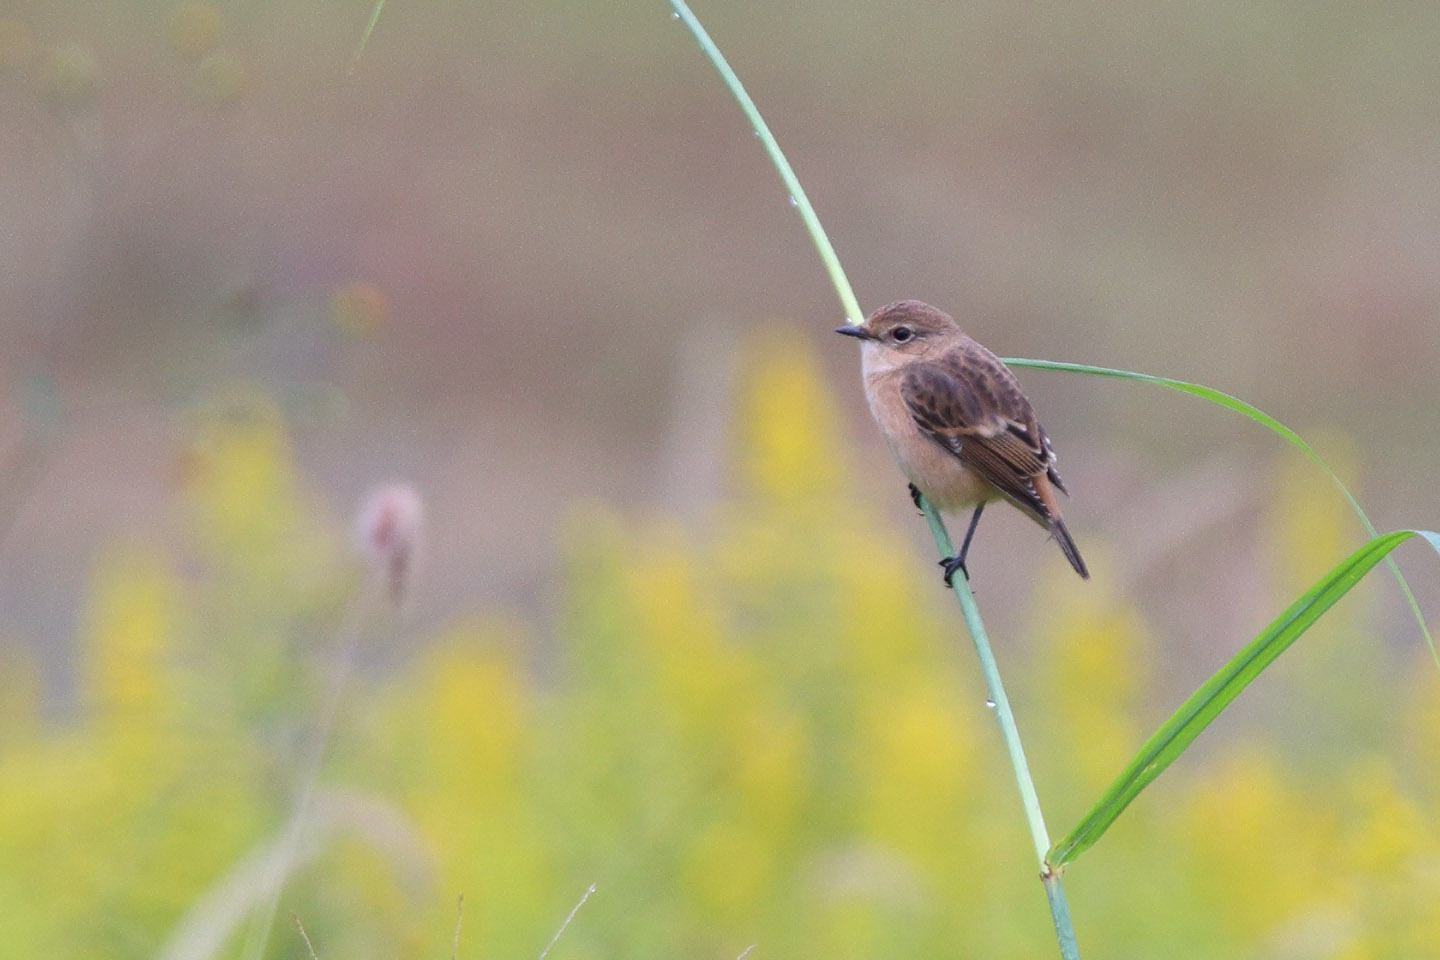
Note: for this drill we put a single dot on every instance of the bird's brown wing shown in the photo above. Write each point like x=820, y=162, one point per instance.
x=970, y=403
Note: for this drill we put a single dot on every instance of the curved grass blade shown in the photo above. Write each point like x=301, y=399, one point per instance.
x=365, y=37
x=1216, y=693
x=1264, y=419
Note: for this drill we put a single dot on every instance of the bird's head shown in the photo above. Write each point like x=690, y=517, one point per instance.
x=904, y=328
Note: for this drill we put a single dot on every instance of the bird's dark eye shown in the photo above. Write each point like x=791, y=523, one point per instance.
x=901, y=334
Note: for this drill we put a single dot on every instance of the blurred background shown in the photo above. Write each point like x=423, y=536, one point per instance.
x=675, y=628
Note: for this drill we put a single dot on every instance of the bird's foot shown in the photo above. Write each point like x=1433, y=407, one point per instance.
x=915, y=496
x=950, y=565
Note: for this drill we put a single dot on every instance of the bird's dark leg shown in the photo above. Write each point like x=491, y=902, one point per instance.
x=915, y=496
x=957, y=562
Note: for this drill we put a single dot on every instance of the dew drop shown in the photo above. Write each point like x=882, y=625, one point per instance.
x=793, y=201
x=989, y=704
x=674, y=15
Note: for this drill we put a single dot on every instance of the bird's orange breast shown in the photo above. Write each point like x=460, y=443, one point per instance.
x=946, y=482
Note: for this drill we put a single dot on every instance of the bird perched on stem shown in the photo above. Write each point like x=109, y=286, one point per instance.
x=957, y=422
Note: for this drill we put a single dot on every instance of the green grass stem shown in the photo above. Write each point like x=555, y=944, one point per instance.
x=1059, y=911
x=365, y=37
x=798, y=199
x=995, y=688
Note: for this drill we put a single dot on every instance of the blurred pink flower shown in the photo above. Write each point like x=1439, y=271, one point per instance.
x=389, y=526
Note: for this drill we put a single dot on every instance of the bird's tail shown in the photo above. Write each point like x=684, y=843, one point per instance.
x=1067, y=546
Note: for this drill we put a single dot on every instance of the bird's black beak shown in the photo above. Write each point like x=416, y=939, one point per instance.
x=853, y=330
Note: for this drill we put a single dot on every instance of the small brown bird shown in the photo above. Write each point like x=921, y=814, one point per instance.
x=957, y=421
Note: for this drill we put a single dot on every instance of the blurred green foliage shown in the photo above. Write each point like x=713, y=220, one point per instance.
x=766, y=732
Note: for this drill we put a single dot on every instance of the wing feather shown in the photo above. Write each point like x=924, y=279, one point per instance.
x=968, y=402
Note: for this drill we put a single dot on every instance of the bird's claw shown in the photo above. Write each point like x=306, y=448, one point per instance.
x=915, y=497
x=950, y=565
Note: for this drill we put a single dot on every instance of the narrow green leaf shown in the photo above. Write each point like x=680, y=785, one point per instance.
x=1264, y=419
x=1195, y=714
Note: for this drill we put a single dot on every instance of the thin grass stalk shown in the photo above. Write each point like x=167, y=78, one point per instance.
x=995, y=688
x=365, y=37
x=1060, y=911
x=1055, y=894
x=1010, y=733
x=798, y=199
x=345, y=645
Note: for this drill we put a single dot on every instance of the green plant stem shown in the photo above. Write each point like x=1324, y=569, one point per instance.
x=798, y=199
x=1060, y=913
x=998, y=701
x=1010, y=733
x=365, y=37
x=1055, y=894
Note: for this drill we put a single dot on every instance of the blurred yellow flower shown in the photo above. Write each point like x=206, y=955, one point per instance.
x=790, y=450
x=760, y=732
x=131, y=619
